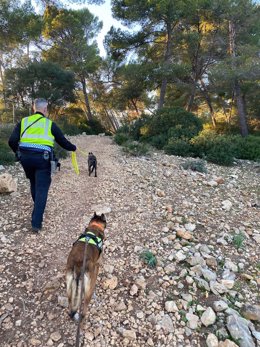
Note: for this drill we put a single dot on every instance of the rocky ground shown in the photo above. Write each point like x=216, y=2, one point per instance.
x=203, y=229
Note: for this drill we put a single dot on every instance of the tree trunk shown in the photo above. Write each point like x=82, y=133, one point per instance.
x=208, y=101
x=89, y=113
x=241, y=110
x=192, y=97
x=167, y=59
x=3, y=81
x=111, y=119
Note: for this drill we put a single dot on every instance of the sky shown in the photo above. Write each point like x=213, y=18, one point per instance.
x=103, y=12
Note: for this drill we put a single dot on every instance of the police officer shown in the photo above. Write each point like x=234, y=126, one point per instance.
x=33, y=138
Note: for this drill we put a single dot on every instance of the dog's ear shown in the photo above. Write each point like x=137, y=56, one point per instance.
x=103, y=218
x=94, y=214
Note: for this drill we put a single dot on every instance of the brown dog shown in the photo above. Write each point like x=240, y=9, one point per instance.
x=94, y=236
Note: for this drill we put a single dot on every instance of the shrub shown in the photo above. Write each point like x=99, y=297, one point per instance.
x=6, y=154
x=121, y=138
x=148, y=258
x=238, y=240
x=218, y=149
x=175, y=122
x=178, y=147
x=158, y=141
x=247, y=147
x=195, y=165
x=136, y=148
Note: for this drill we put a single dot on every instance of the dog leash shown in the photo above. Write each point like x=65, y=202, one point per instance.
x=81, y=294
x=74, y=162
x=82, y=152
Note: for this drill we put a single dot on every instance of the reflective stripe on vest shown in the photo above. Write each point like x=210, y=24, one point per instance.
x=38, y=133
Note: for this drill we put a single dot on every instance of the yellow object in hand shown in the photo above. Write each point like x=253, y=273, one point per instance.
x=74, y=162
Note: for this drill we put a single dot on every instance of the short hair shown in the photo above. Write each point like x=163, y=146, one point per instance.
x=40, y=103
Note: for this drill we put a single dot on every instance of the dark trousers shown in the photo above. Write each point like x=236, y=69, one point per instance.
x=38, y=170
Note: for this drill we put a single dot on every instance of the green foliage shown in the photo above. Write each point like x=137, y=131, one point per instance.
x=92, y=127
x=247, y=147
x=216, y=149
x=41, y=79
x=6, y=154
x=121, y=138
x=178, y=147
x=136, y=148
x=148, y=258
x=195, y=165
x=238, y=240
x=176, y=122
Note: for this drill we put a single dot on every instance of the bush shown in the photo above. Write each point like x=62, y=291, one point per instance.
x=218, y=149
x=135, y=148
x=247, y=147
x=175, y=122
x=7, y=156
x=158, y=141
x=195, y=165
x=148, y=258
x=178, y=147
x=121, y=138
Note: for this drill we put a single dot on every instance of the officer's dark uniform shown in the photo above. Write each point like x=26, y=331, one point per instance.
x=34, y=137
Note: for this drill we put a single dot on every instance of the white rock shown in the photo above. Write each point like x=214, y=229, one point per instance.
x=226, y=205
x=170, y=306
x=212, y=341
x=220, y=306
x=190, y=227
x=129, y=334
x=193, y=321
x=7, y=183
x=133, y=290
x=208, y=317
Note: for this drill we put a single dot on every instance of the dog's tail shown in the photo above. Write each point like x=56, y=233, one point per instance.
x=74, y=285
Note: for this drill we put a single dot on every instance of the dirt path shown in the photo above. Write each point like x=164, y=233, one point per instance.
x=148, y=200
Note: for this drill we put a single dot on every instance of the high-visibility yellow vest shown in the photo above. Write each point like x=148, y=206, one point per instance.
x=38, y=133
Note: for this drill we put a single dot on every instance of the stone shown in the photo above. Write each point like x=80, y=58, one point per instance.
x=184, y=234
x=190, y=227
x=226, y=205
x=129, y=334
x=180, y=256
x=227, y=343
x=133, y=290
x=212, y=262
x=212, y=340
x=208, y=274
x=196, y=260
x=140, y=282
x=193, y=321
x=208, y=317
x=7, y=184
x=220, y=306
x=34, y=342
x=56, y=336
x=63, y=301
x=251, y=312
x=167, y=324
x=218, y=288
x=238, y=329
x=108, y=268
x=170, y=306
x=202, y=284
x=169, y=269
x=160, y=193
x=120, y=306
x=231, y=266
x=110, y=283
x=229, y=284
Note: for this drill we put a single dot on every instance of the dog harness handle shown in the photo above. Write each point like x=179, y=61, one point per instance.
x=91, y=239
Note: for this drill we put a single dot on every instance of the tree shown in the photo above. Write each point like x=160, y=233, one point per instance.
x=239, y=66
x=159, y=20
x=40, y=79
x=19, y=25
x=70, y=34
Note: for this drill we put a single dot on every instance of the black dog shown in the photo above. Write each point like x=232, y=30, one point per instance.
x=92, y=164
